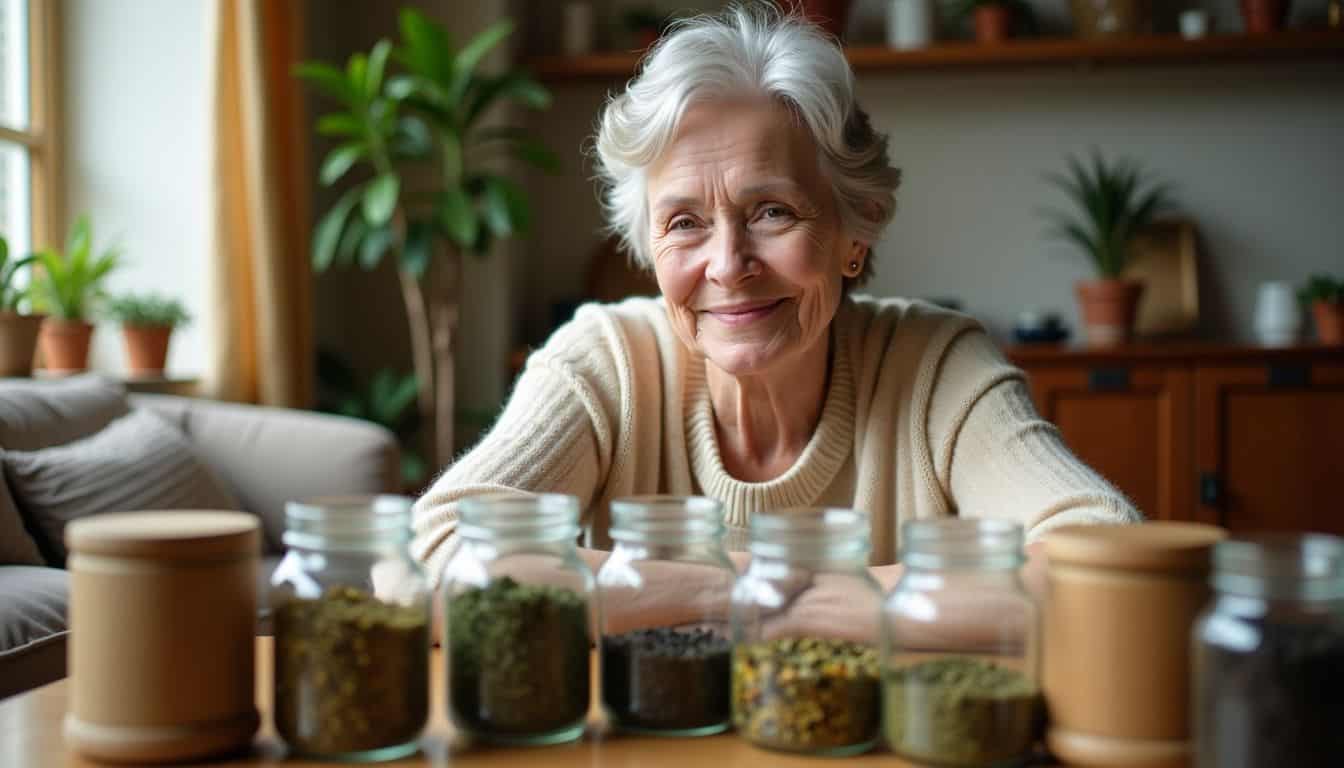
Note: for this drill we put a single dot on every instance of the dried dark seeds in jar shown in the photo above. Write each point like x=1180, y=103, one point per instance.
x=807, y=694
x=667, y=680
x=960, y=711
x=519, y=660
x=351, y=673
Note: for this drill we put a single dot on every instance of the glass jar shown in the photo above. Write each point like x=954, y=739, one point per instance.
x=351, y=612
x=960, y=646
x=805, y=612
x=666, y=652
x=1269, y=654
x=519, y=603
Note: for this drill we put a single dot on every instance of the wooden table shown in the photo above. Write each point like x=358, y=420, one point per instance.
x=30, y=737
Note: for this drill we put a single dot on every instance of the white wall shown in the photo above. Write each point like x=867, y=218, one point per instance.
x=136, y=105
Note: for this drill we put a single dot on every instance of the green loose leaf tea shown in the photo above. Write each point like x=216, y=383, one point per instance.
x=351, y=672
x=667, y=680
x=807, y=694
x=960, y=711
x=519, y=659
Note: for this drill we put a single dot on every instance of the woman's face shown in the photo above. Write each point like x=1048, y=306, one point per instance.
x=746, y=240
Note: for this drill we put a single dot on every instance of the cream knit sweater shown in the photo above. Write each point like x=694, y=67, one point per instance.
x=923, y=418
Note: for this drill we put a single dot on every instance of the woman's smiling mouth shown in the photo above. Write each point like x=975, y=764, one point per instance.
x=744, y=313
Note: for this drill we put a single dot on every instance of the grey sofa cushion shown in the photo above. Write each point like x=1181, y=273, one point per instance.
x=139, y=462
x=32, y=626
x=36, y=414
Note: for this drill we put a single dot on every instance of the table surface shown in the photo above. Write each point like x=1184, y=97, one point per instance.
x=30, y=736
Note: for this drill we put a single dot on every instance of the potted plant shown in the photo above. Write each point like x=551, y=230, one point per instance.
x=1325, y=296
x=147, y=324
x=993, y=20
x=65, y=287
x=1113, y=203
x=428, y=188
x=18, y=330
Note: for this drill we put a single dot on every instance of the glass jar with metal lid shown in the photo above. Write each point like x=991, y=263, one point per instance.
x=519, y=609
x=665, y=592
x=961, y=646
x=351, y=613
x=805, y=614
x=1269, y=654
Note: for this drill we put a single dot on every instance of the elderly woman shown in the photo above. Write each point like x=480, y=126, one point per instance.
x=739, y=168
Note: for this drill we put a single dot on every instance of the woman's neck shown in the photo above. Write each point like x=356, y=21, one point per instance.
x=764, y=422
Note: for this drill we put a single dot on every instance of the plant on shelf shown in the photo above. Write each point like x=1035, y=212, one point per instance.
x=1325, y=296
x=147, y=324
x=18, y=328
x=427, y=187
x=66, y=287
x=386, y=400
x=1113, y=202
x=993, y=21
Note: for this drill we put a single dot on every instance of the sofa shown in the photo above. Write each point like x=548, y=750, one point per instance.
x=258, y=457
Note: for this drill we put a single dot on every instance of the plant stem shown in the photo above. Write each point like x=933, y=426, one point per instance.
x=422, y=356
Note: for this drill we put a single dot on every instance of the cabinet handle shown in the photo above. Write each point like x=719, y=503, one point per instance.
x=1210, y=489
x=1108, y=379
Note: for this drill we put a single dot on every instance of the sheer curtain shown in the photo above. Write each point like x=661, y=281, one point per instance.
x=261, y=286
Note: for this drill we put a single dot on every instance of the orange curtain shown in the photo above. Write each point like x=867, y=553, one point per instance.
x=262, y=330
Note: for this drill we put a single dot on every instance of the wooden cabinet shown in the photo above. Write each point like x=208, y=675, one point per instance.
x=1245, y=437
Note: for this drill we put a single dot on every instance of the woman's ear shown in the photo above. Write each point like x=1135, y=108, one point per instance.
x=854, y=258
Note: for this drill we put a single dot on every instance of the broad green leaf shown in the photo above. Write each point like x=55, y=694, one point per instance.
x=426, y=48
x=380, y=198
x=375, y=245
x=456, y=216
x=328, y=79
x=355, y=230
x=339, y=124
x=412, y=138
x=464, y=66
x=450, y=145
x=356, y=70
x=521, y=144
x=339, y=161
x=513, y=85
x=507, y=196
x=415, y=254
x=373, y=75
x=328, y=232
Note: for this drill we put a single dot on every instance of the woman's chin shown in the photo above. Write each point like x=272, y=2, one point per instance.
x=744, y=359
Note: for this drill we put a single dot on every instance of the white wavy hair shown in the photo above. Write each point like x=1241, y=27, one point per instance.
x=746, y=50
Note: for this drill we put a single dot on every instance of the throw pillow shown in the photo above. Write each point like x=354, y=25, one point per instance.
x=138, y=462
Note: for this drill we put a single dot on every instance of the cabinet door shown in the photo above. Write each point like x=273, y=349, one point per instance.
x=1132, y=424
x=1271, y=446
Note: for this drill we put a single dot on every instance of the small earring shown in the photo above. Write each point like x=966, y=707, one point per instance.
x=853, y=269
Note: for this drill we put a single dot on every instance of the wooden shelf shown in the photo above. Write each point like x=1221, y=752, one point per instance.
x=1293, y=44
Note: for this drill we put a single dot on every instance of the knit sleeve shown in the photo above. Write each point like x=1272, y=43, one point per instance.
x=995, y=457
x=554, y=436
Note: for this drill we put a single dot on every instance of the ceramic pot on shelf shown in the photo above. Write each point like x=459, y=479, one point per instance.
x=1108, y=308
x=1329, y=319
x=1264, y=17
x=993, y=23
x=146, y=348
x=65, y=344
x=18, y=343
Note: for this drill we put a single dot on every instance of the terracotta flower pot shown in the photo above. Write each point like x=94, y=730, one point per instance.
x=65, y=344
x=1329, y=317
x=993, y=23
x=146, y=348
x=1264, y=17
x=18, y=343
x=1108, y=308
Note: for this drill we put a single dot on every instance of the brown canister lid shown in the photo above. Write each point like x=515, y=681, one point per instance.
x=168, y=534
x=1159, y=546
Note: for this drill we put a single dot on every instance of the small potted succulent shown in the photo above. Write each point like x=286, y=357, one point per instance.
x=147, y=324
x=1325, y=296
x=65, y=287
x=18, y=329
x=993, y=21
x=1113, y=203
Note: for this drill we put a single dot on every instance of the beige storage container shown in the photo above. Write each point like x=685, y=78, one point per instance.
x=1117, y=641
x=162, y=624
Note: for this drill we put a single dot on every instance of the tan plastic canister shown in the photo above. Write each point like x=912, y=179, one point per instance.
x=162, y=625
x=1117, y=640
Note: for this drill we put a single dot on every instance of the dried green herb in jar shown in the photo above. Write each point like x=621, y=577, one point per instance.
x=519, y=659
x=807, y=694
x=351, y=673
x=960, y=711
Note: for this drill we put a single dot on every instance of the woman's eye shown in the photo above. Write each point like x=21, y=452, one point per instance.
x=683, y=223
x=775, y=212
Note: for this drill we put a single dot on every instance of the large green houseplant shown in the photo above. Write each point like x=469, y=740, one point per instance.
x=1113, y=202
x=66, y=287
x=426, y=189
x=18, y=328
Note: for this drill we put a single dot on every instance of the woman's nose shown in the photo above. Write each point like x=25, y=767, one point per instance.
x=731, y=260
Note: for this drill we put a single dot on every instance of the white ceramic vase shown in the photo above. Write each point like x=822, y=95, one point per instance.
x=1278, y=320
x=910, y=24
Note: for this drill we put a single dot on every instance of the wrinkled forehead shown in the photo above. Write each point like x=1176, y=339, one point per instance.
x=738, y=140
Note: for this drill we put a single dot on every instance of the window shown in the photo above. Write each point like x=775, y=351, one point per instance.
x=29, y=161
